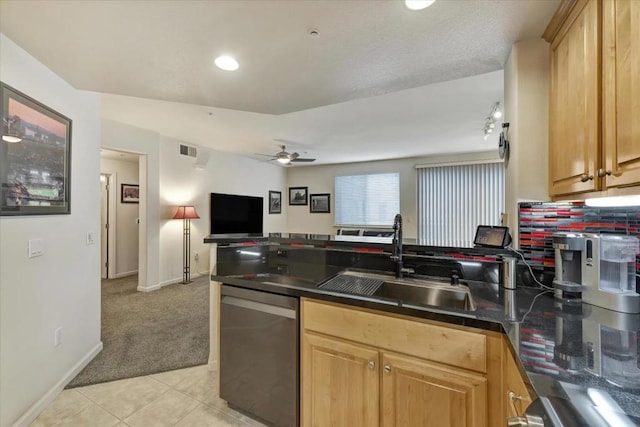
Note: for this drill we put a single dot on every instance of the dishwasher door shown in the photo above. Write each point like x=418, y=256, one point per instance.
x=259, y=360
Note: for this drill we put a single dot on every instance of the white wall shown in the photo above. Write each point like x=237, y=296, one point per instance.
x=320, y=179
x=526, y=88
x=182, y=183
x=172, y=180
x=62, y=287
x=126, y=218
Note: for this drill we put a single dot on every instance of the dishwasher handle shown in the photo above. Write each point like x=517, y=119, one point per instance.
x=259, y=306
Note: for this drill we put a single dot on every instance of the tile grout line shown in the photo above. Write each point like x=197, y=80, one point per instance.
x=72, y=415
x=142, y=407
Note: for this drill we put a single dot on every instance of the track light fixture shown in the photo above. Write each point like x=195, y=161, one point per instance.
x=490, y=122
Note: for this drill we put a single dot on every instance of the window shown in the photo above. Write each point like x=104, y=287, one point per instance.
x=367, y=200
x=454, y=200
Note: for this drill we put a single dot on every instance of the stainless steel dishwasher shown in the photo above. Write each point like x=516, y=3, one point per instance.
x=259, y=358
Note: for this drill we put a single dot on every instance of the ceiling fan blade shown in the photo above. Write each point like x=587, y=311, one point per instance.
x=293, y=156
x=265, y=155
x=299, y=159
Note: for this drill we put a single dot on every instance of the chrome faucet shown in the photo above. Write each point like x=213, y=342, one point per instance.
x=396, y=255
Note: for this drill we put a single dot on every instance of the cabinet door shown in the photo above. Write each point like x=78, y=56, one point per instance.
x=574, y=103
x=420, y=393
x=621, y=89
x=340, y=383
x=518, y=397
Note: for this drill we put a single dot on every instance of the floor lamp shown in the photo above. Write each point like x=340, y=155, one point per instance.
x=186, y=214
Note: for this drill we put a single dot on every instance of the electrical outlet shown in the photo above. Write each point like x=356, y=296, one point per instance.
x=57, y=336
x=196, y=256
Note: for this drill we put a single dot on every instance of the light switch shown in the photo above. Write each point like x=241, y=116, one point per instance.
x=91, y=238
x=36, y=247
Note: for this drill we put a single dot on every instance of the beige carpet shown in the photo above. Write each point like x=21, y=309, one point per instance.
x=149, y=332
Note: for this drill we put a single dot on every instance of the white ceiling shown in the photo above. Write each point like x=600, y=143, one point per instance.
x=350, y=89
x=118, y=155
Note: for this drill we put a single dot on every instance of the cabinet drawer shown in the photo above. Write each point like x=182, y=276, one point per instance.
x=412, y=337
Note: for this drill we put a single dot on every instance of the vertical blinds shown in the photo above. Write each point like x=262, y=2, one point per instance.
x=371, y=199
x=454, y=200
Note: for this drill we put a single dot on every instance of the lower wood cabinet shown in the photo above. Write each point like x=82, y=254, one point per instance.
x=420, y=393
x=365, y=368
x=518, y=396
x=340, y=383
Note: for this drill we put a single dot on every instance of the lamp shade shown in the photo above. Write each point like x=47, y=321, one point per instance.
x=186, y=212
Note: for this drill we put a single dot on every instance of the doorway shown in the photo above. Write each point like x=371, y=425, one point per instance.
x=119, y=188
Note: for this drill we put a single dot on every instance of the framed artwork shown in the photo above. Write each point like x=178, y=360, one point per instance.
x=35, y=157
x=129, y=193
x=320, y=203
x=298, y=196
x=275, y=202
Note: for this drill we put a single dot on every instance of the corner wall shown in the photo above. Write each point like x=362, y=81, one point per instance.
x=173, y=179
x=62, y=287
x=182, y=183
x=526, y=96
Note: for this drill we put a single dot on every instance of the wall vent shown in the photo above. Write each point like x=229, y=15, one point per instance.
x=186, y=150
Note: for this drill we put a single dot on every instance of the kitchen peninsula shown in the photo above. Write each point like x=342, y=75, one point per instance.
x=473, y=365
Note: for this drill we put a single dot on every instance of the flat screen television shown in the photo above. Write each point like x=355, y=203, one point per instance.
x=231, y=213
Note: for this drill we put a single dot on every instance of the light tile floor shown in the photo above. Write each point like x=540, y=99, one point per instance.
x=184, y=398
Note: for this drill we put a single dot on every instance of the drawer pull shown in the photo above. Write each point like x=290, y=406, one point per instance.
x=602, y=173
x=387, y=368
x=371, y=364
x=584, y=177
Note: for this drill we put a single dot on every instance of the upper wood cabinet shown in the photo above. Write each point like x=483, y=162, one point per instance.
x=594, y=99
x=621, y=90
x=574, y=113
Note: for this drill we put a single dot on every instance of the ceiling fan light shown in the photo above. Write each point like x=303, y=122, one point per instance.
x=283, y=160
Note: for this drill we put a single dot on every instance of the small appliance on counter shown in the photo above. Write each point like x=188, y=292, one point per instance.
x=599, y=269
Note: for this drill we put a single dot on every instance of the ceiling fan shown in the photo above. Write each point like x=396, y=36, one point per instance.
x=286, y=158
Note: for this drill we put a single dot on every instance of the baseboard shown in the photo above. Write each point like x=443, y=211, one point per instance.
x=170, y=282
x=125, y=274
x=37, y=408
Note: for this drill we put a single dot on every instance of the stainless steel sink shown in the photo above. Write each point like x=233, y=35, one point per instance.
x=407, y=291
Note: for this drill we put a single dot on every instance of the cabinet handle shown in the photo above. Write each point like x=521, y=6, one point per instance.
x=371, y=364
x=387, y=368
x=512, y=401
x=584, y=177
x=602, y=173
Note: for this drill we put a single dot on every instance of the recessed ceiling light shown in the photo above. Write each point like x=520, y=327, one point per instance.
x=418, y=4
x=227, y=63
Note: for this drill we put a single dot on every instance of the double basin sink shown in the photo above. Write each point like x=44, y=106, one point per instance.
x=406, y=291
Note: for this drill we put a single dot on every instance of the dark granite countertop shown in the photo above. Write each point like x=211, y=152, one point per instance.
x=582, y=361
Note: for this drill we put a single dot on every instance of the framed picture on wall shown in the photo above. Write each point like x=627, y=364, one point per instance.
x=35, y=157
x=129, y=193
x=275, y=202
x=298, y=196
x=320, y=203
